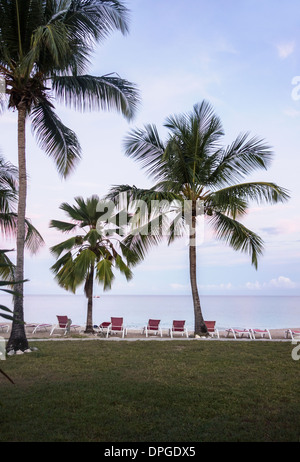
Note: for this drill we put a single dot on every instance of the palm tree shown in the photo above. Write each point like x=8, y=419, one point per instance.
x=91, y=256
x=45, y=47
x=193, y=168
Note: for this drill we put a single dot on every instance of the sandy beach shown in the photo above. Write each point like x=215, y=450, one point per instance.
x=136, y=334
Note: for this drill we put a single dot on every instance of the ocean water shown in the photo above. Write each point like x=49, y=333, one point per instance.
x=228, y=311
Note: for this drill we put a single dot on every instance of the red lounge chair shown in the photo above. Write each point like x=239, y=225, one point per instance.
x=153, y=326
x=294, y=334
x=64, y=324
x=211, y=327
x=262, y=333
x=116, y=325
x=104, y=326
x=239, y=332
x=178, y=327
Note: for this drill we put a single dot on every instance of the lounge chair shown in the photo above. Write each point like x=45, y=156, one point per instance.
x=239, y=332
x=36, y=326
x=178, y=327
x=104, y=326
x=64, y=323
x=211, y=327
x=294, y=334
x=153, y=326
x=262, y=333
x=4, y=327
x=116, y=325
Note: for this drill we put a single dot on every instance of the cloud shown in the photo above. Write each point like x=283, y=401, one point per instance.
x=281, y=282
x=253, y=285
x=285, y=49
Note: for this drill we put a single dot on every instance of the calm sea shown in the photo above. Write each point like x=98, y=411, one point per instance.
x=227, y=311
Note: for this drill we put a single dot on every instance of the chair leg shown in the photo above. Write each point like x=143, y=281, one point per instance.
x=53, y=329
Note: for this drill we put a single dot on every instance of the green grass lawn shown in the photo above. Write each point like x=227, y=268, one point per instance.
x=175, y=391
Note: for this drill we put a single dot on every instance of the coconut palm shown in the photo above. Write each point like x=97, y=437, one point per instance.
x=92, y=254
x=45, y=47
x=193, y=168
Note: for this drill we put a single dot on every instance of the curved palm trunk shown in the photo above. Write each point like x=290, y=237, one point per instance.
x=18, y=340
x=89, y=293
x=200, y=327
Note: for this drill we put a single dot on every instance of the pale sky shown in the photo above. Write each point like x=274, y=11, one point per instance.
x=243, y=57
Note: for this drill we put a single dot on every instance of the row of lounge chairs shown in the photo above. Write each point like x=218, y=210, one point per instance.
x=116, y=325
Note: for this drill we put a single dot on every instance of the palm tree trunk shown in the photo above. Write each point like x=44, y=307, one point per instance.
x=200, y=327
x=89, y=293
x=18, y=340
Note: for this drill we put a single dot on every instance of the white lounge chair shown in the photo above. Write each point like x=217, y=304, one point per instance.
x=262, y=333
x=116, y=326
x=64, y=324
x=211, y=327
x=36, y=326
x=178, y=327
x=294, y=334
x=153, y=326
x=239, y=332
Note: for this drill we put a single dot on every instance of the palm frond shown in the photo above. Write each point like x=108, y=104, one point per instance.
x=96, y=18
x=8, y=227
x=123, y=267
x=239, y=159
x=62, y=226
x=50, y=48
x=64, y=246
x=58, y=141
x=236, y=198
x=86, y=92
x=7, y=268
x=145, y=146
x=237, y=236
x=104, y=273
x=33, y=239
x=8, y=182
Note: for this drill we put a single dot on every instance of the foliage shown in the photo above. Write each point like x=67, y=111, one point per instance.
x=45, y=50
x=95, y=252
x=193, y=166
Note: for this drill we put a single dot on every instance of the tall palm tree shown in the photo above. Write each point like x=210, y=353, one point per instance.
x=45, y=46
x=91, y=255
x=193, y=168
